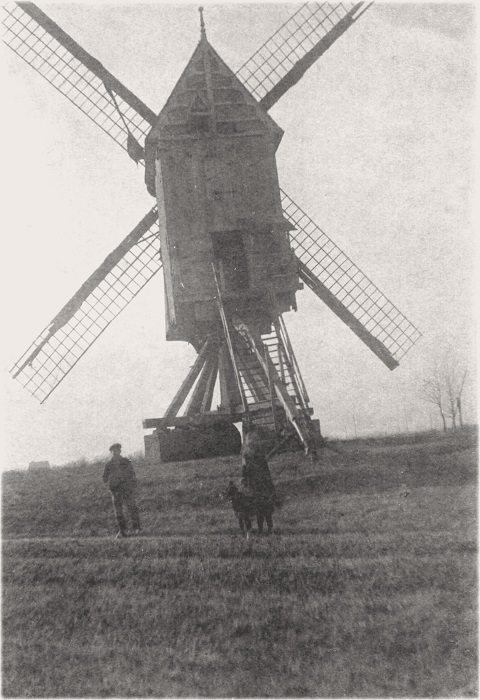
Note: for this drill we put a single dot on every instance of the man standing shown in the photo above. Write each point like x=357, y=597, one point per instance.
x=120, y=478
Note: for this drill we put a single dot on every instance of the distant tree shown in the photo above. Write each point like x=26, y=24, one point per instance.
x=454, y=383
x=433, y=391
x=444, y=386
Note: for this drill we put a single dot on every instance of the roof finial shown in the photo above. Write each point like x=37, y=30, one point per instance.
x=203, y=33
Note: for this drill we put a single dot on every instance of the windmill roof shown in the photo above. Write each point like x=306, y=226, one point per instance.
x=208, y=88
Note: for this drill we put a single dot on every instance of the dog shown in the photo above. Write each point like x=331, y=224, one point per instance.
x=246, y=506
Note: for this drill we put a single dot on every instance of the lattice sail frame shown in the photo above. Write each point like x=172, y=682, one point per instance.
x=289, y=44
x=62, y=343
x=331, y=269
x=42, y=44
x=127, y=120
x=78, y=76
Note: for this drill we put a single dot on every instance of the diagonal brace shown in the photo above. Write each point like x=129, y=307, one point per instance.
x=187, y=384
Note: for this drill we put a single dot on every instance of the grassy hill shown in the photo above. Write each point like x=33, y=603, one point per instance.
x=367, y=588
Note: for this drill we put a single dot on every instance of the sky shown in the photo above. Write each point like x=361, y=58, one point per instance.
x=378, y=149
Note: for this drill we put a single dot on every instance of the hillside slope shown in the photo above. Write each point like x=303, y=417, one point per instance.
x=368, y=587
x=73, y=502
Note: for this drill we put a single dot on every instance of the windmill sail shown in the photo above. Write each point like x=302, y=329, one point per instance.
x=90, y=311
x=268, y=74
x=350, y=294
x=283, y=59
x=78, y=75
x=277, y=65
x=324, y=268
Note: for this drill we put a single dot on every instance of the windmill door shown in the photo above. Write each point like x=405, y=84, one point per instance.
x=230, y=260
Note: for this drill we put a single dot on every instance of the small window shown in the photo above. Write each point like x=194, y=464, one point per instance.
x=226, y=127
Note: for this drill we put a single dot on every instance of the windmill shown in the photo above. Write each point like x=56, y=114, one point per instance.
x=234, y=247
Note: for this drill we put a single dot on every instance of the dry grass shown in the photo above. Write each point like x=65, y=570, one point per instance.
x=367, y=589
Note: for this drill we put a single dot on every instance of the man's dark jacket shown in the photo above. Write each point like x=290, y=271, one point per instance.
x=120, y=475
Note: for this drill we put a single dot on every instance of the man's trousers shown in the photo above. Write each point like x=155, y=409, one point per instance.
x=125, y=498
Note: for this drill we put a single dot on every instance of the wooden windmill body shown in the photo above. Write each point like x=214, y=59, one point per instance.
x=210, y=162
x=234, y=247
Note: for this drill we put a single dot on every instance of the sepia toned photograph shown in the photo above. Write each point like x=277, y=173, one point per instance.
x=239, y=332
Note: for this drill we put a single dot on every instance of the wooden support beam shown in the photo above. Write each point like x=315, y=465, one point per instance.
x=286, y=353
x=210, y=386
x=229, y=393
x=228, y=339
x=271, y=390
x=196, y=400
x=281, y=360
x=297, y=378
x=210, y=418
x=187, y=384
x=262, y=406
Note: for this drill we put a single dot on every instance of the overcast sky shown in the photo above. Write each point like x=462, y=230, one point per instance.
x=377, y=149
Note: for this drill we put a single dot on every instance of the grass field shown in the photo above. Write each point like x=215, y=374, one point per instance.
x=367, y=588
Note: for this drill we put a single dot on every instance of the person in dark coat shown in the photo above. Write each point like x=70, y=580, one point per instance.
x=257, y=479
x=121, y=479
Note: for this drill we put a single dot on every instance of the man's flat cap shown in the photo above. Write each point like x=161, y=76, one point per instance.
x=116, y=445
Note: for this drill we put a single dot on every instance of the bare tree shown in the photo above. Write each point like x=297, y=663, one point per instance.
x=444, y=387
x=454, y=383
x=433, y=391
